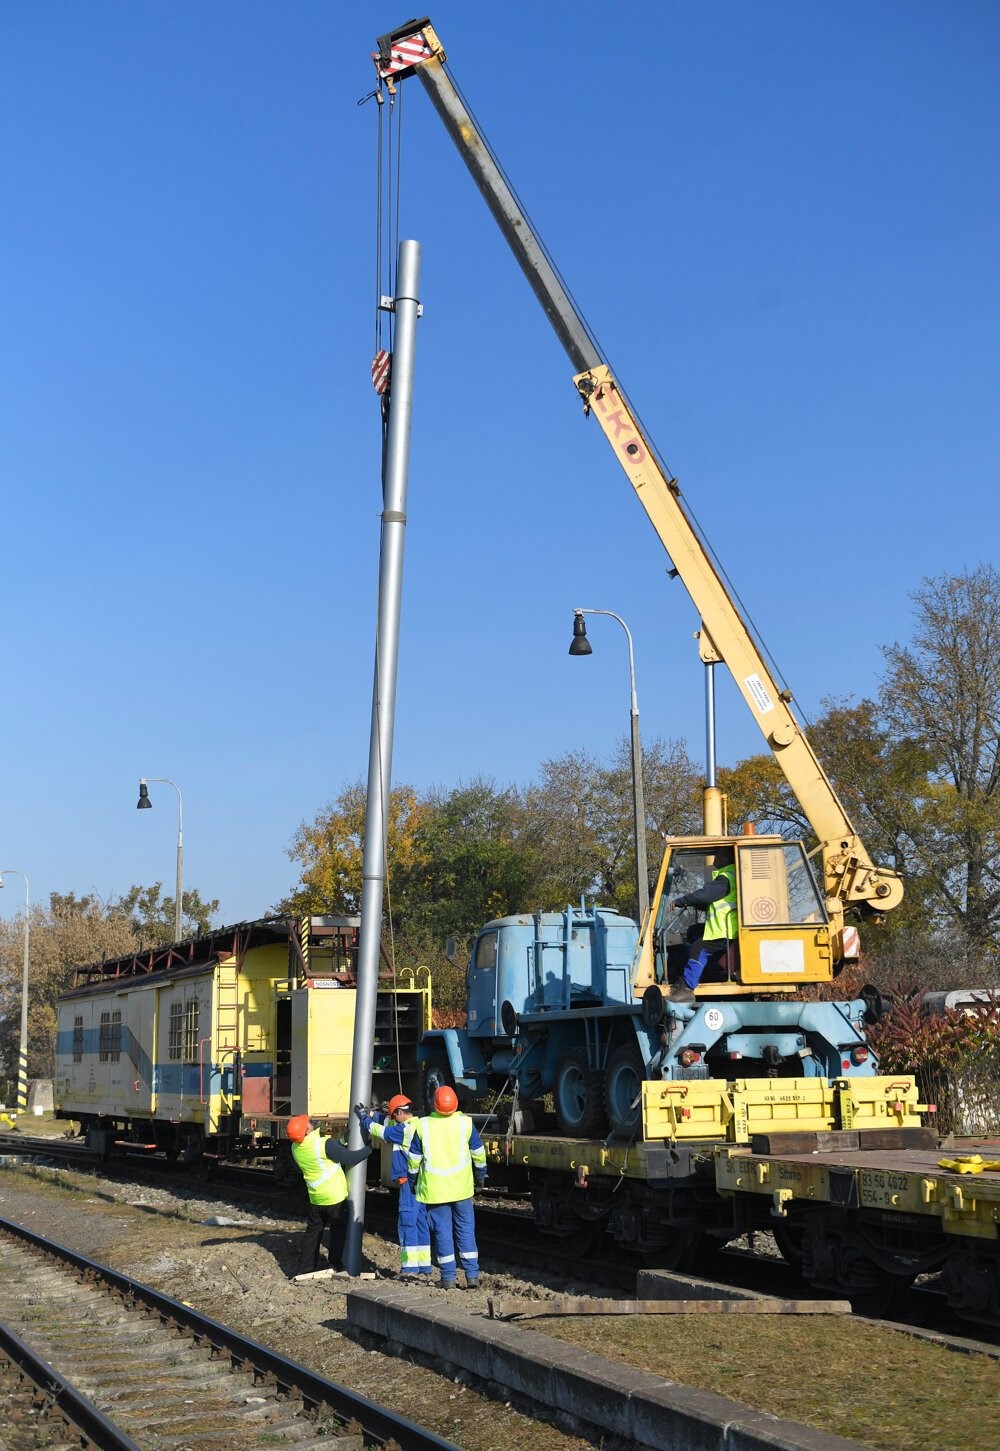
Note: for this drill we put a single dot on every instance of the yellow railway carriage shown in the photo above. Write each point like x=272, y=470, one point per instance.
x=207, y=1046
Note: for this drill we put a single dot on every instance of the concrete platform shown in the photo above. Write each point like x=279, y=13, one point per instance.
x=656, y=1413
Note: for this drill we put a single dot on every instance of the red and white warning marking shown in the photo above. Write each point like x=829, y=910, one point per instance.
x=409, y=51
x=381, y=367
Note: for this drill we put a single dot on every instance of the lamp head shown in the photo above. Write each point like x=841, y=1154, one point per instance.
x=580, y=645
x=143, y=803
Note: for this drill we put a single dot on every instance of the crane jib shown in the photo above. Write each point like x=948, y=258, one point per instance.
x=850, y=876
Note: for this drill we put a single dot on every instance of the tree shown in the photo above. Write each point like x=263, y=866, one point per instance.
x=941, y=693
x=874, y=775
x=475, y=857
x=75, y=932
x=584, y=814
x=72, y=932
x=330, y=850
x=153, y=919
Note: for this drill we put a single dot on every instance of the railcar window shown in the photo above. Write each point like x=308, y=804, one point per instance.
x=191, y=1031
x=78, y=1039
x=176, y=1042
x=104, y=1038
x=115, y=1040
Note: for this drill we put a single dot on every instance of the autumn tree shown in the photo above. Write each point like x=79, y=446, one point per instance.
x=941, y=692
x=74, y=932
x=330, y=850
x=69, y=933
x=583, y=812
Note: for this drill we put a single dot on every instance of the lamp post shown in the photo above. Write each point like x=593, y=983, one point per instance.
x=581, y=646
x=144, y=804
x=22, y=1058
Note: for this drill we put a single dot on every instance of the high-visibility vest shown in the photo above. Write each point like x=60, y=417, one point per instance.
x=325, y=1180
x=720, y=917
x=444, y=1167
x=398, y=1136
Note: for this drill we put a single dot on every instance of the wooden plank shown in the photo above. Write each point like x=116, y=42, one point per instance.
x=898, y=1139
x=806, y=1142
x=579, y=1305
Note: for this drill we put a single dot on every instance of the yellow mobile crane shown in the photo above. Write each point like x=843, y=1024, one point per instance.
x=788, y=933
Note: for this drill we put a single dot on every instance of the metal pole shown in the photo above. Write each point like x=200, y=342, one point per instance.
x=638, y=799
x=179, y=899
x=22, y=1056
x=179, y=888
x=390, y=584
x=710, y=724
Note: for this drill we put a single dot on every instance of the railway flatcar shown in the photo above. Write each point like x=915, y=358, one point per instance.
x=203, y=1049
x=857, y=1191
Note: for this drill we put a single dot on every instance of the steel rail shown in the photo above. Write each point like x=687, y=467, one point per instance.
x=378, y=1422
x=74, y=1406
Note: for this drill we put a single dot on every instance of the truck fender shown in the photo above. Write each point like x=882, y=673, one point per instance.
x=463, y=1054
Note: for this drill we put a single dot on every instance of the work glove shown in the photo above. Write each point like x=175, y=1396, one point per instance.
x=479, y=1180
x=361, y=1110
x=411, y=1179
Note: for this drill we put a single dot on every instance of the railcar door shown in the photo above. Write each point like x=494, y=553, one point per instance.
x=185, y=1070
x=135, y=1048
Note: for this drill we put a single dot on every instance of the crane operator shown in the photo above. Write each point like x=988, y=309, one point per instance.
x=718, y=901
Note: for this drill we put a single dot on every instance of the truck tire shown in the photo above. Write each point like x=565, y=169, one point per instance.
x=435, y=1074
x=623, y=1078
x=579, y=1096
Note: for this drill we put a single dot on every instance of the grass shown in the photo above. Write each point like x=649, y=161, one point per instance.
x=886, y=1389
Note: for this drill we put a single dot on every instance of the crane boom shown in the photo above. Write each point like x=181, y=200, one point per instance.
x=850, y=877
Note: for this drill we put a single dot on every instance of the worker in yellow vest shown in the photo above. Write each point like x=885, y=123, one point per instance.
x=447, y=1163
x=718, y=899
x=322, y=1160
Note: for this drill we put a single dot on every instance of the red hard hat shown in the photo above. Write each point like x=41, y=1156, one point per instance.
x=445, y=1100
x=297, y=1127
x=400, y=1100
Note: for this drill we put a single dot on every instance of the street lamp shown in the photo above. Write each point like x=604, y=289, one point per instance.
x=581, y=646
x=144, y=804
x=22, y=1060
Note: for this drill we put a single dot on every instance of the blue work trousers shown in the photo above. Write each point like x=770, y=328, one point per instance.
x=452, y=1227
x=702, y=953
x=414, y=1234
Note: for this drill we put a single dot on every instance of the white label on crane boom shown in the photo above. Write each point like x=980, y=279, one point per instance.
x=757, y=691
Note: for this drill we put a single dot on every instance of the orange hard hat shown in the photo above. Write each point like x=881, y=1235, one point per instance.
x=445, y=1100
x=400, y=1100
x=297, y=1127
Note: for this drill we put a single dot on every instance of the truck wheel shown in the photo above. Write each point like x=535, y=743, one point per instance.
x=578, y=1095
x=623, y=1086
x=436, y=1074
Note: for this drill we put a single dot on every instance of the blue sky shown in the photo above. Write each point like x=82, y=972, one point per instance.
x=782, y=221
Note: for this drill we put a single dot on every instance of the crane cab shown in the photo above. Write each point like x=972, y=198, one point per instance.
x=781, y=932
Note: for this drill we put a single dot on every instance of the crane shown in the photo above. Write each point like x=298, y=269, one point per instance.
x=803, y=935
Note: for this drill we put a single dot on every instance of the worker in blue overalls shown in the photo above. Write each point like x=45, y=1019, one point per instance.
x=396, y=1127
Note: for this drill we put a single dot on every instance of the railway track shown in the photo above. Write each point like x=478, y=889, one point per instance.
x=91, y=1353
x=506, y=1232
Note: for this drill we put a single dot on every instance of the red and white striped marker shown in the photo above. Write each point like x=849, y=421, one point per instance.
x=381, y=364
x=409, y=51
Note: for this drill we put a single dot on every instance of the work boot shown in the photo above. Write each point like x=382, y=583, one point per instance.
x=447, y=1284
x=679, y=992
